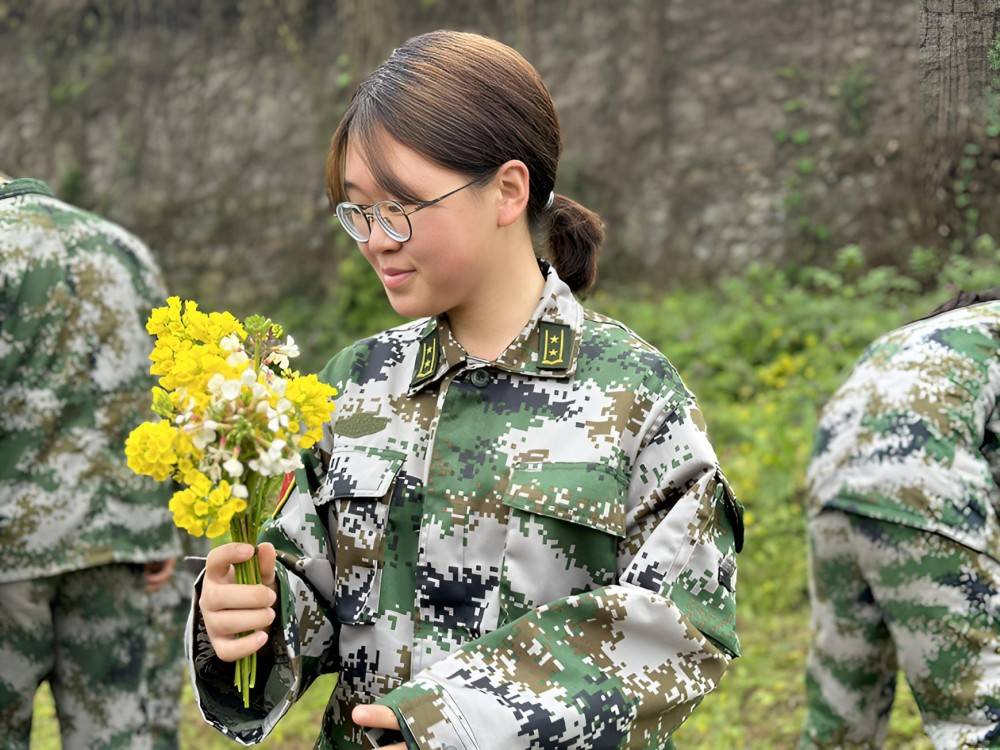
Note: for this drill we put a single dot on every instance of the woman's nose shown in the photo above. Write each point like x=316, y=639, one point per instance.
x=379, y=241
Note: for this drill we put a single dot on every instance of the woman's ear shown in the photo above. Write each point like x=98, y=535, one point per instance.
x=513, y=191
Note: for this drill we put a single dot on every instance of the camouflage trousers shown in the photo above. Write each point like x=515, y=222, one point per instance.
x=165, y=666
x=887, y=597
x=110, y=652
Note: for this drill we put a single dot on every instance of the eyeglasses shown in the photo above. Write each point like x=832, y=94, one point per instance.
x=391, y=216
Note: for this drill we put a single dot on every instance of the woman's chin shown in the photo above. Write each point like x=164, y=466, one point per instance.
x=412, y=306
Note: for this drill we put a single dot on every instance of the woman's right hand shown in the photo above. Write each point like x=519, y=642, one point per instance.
x=229, y=608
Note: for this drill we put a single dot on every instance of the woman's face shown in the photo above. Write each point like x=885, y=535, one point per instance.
x=445, y=259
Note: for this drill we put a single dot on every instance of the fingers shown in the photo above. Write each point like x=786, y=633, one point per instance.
x=230, y=609
x=231, y=649
x=222, y=557
x=160, y=572
x=373, y=715
x=266, y=555
x=216, y=596
x=230, y=622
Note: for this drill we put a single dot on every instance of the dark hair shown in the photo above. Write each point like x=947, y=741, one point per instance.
x=964, y=299
x=469, y=103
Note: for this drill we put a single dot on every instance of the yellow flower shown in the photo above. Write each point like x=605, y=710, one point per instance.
x=311, y=399
x=200, y=484
x=166, y=319
x=150, y=450
x=220, y=495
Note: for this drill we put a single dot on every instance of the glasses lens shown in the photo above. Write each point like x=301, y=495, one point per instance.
x=353, y=220
x=393, y=220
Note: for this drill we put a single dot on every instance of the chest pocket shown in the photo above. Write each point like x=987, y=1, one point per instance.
x=357, y=492
x=563, y=529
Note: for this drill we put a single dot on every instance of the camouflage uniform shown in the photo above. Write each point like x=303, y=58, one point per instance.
x=75, y=523
x=535, y=552
x=164, y=666
x=905, y=539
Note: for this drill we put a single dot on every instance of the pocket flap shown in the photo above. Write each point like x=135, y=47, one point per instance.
x=359, y=472
x=589, y=494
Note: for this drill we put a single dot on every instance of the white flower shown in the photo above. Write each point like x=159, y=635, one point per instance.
x=249, y=377
x=231, y=389
x=202, y=437
x=237, y=359
x=233, y=467
x=215, y=383
x=273, y=462
x=230, y=343
x=276, y=417
x=280, y=354
x=240, y=490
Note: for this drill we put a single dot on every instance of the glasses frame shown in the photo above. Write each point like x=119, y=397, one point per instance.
x=376, y=212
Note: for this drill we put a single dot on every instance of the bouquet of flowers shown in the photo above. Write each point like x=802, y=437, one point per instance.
x=234, y=418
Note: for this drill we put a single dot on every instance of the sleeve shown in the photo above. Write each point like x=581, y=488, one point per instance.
x=303, y=639
x=619, y=666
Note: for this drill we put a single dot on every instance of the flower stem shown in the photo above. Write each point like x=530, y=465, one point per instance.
x=244, y=528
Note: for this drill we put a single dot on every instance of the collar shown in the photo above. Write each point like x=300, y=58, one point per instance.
x=547, y=346
x=23, y=186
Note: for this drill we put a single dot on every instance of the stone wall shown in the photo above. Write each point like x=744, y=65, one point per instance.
x=708, y=133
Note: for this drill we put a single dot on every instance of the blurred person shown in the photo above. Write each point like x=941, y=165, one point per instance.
x=86, y=546
x=515, y=532
x=904, y=536
x=164, y=670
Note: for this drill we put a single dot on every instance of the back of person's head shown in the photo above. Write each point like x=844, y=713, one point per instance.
x=963, y=299
x=470, y=104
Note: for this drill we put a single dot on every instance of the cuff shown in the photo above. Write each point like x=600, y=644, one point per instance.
x=428, y=717
x=212, y=679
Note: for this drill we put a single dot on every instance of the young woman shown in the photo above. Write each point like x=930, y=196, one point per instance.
x=515, y=532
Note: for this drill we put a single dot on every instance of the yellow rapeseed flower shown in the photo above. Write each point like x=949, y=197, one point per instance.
x=150, y=450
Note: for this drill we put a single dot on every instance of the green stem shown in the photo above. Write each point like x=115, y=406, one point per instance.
x=244, y=529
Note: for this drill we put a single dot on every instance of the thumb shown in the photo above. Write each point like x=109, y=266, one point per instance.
x=266, y=556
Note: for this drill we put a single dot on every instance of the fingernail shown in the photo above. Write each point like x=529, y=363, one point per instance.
x=262, y=638
x=246, y=549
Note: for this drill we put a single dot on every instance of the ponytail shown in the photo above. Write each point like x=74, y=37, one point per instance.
x=575, y=235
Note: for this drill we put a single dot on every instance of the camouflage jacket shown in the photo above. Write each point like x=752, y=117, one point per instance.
x=75, y=291
x=537, y=551
x=913, y=435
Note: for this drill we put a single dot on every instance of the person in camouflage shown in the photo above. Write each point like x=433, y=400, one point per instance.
x=164, y=667
x=904, y=536
x=82, y=538
x=515, y=532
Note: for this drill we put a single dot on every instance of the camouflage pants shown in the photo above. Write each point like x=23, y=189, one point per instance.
x=165, y=671
x=887, y=597
x=87, y=633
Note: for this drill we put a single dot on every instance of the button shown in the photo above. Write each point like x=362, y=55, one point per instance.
x=479, y=378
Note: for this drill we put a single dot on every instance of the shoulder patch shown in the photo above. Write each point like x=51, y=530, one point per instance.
x=427, y=358
x=555, y=342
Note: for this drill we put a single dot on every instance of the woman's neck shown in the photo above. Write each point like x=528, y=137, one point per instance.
x=495, y=314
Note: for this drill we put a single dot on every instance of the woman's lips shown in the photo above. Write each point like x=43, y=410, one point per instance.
x=394, y=279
